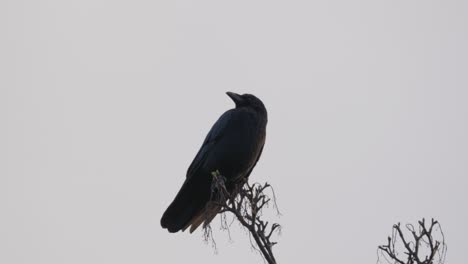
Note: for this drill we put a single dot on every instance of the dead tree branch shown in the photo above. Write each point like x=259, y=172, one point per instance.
x=425, y=245
x=246, y=204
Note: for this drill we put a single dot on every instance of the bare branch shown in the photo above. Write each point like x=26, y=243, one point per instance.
x=426, y=239
x=246, y=204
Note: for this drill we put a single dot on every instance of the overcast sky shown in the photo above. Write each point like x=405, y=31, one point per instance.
x=104, y=104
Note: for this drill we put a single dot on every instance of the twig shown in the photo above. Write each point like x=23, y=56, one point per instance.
x=429, y=237
x=246, y=203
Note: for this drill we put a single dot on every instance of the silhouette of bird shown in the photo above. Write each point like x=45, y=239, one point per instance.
x=232, y=147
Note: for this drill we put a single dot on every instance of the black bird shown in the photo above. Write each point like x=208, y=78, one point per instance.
x=232, y=147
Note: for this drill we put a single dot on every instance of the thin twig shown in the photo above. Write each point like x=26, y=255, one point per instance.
x=246, y=203
x=431, y=238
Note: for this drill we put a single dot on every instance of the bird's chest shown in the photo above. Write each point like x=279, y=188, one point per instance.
x=238, y=150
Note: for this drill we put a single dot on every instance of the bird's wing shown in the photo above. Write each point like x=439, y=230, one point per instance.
x=216, y=132
x=258, y=157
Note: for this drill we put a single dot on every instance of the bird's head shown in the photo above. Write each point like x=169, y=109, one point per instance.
x=247, y=100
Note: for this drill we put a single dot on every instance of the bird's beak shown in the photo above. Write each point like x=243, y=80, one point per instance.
x=235, y=97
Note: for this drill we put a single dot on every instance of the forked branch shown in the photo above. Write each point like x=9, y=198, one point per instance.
x=424, y=245
x=246, y=204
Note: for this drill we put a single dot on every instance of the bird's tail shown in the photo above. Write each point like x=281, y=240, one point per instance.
x=204, y=217
x=189, y=203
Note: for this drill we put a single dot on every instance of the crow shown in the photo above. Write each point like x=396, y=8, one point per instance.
x=232, y=147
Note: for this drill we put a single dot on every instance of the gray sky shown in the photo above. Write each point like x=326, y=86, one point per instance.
x=103, y=105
